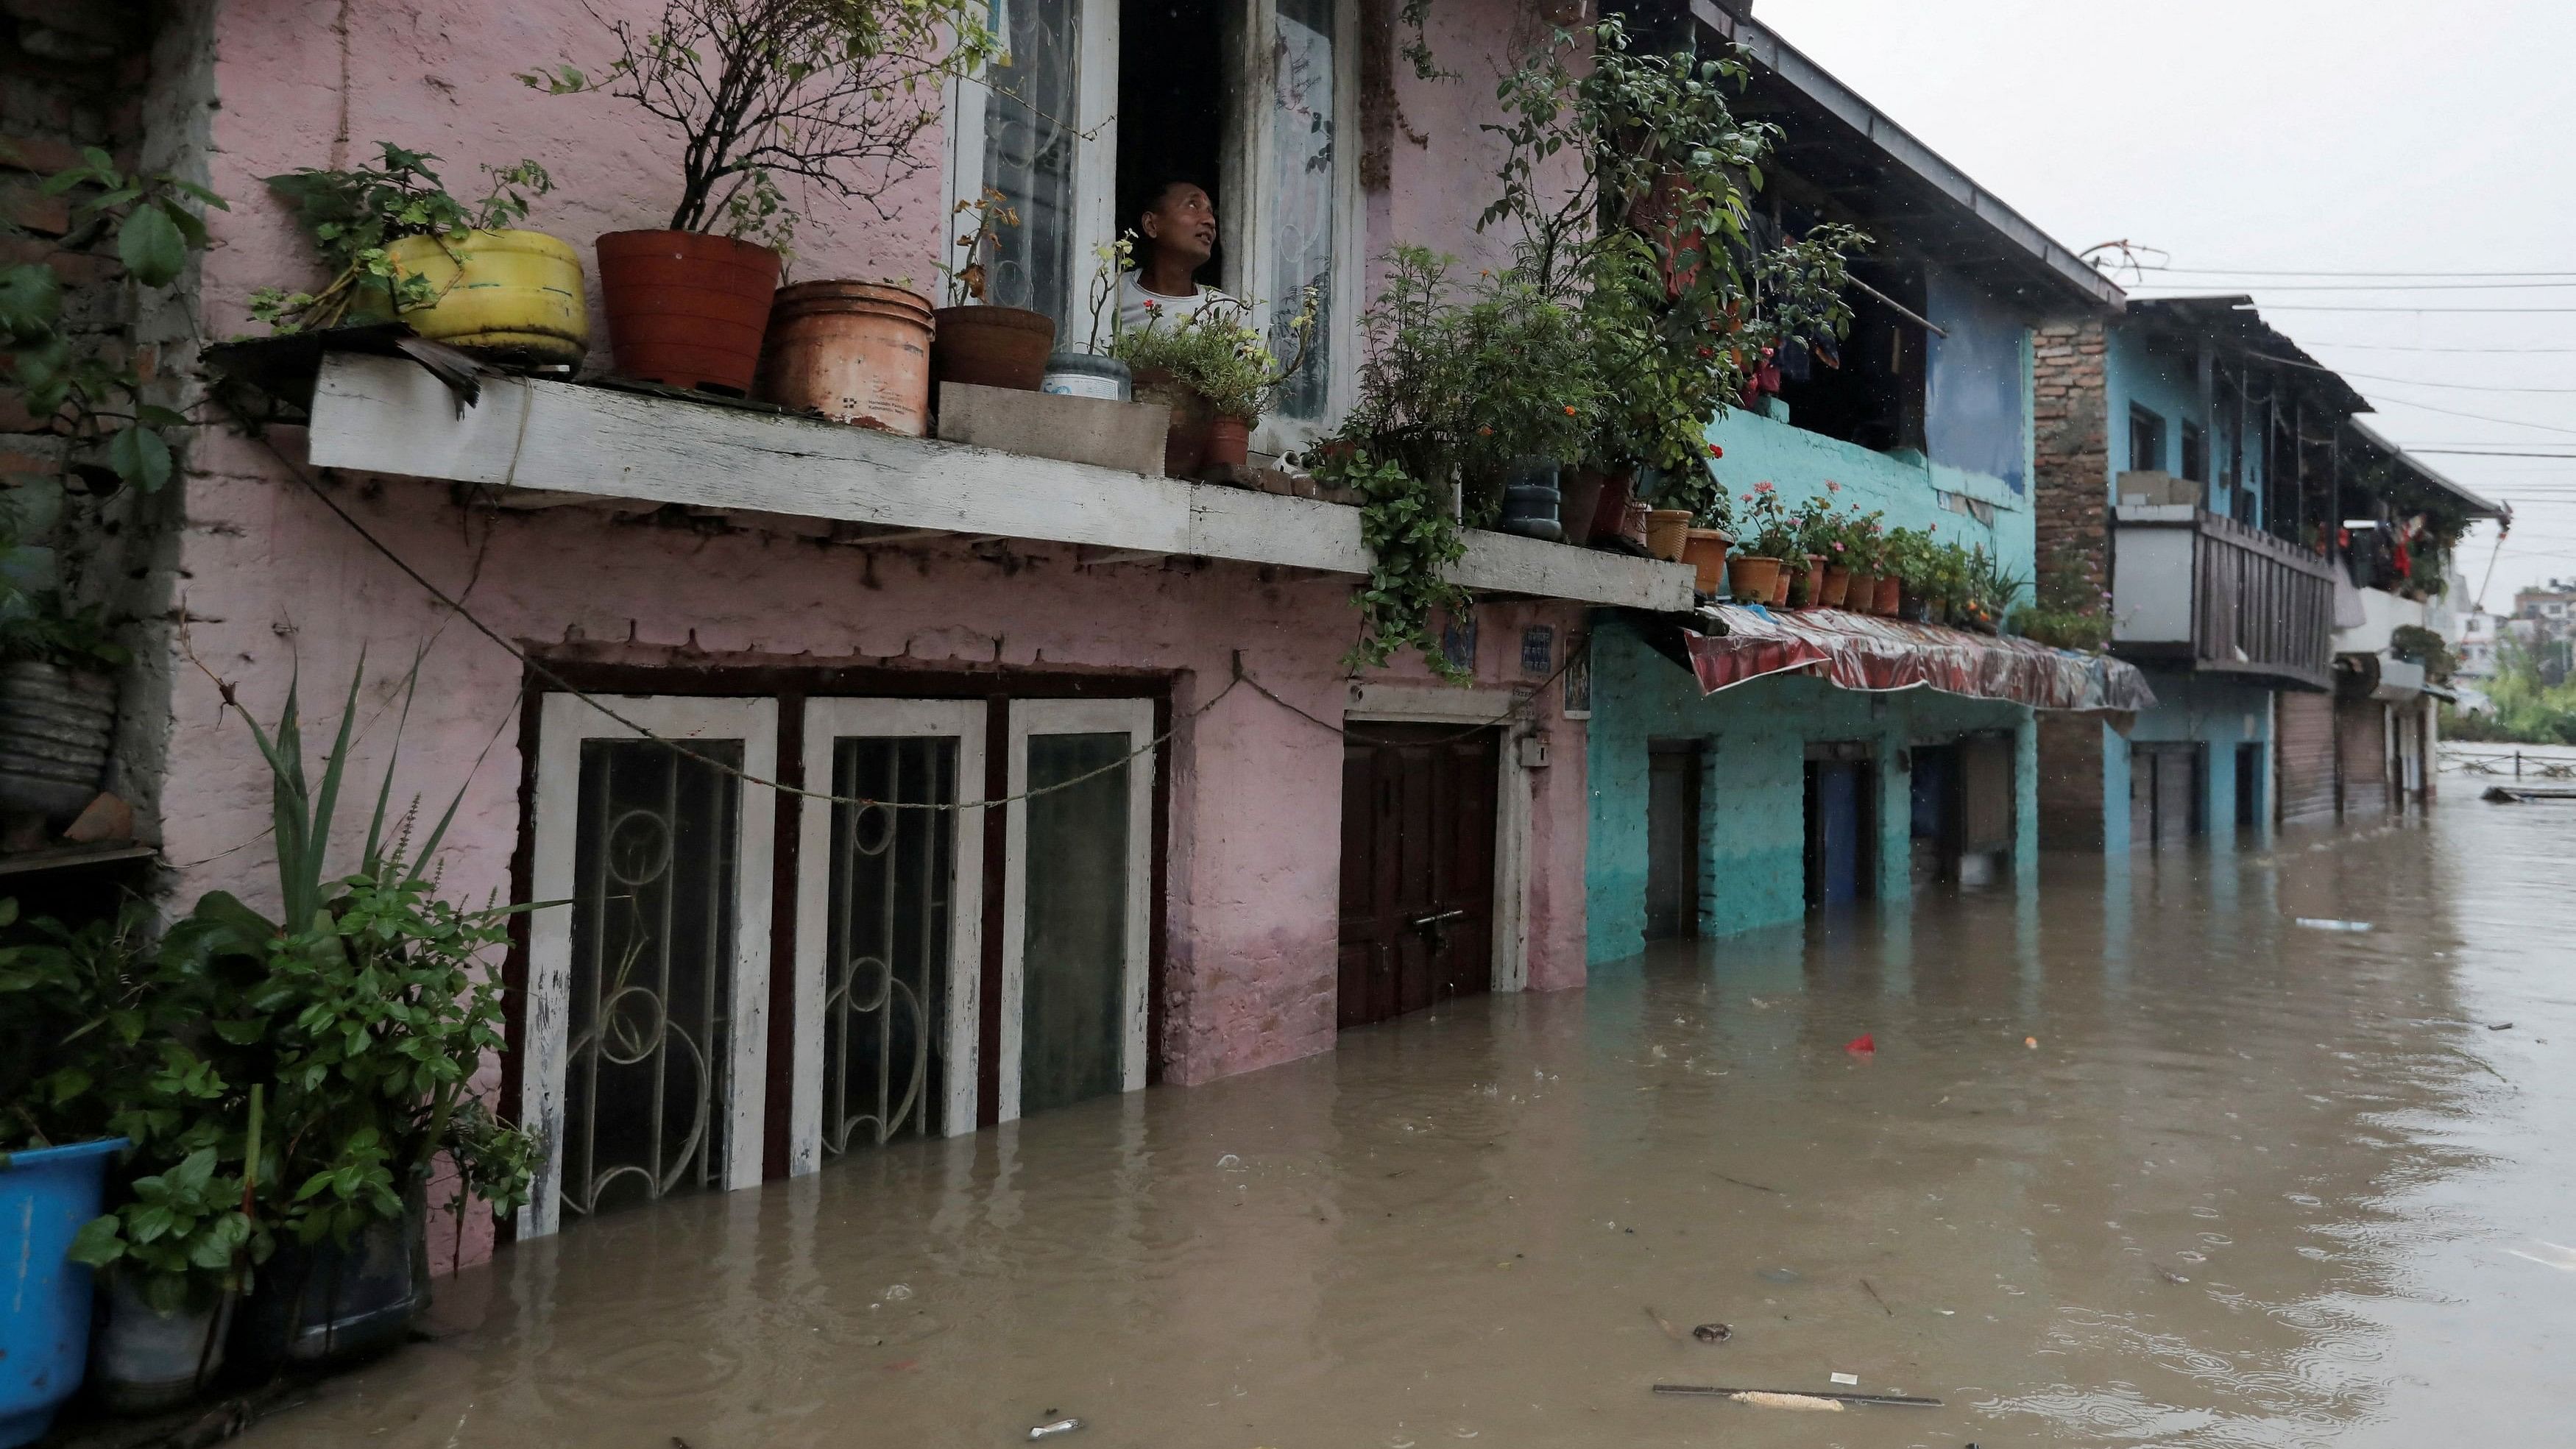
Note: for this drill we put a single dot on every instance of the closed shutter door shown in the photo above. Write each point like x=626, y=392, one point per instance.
x=2361, y=743
x=2306, y=740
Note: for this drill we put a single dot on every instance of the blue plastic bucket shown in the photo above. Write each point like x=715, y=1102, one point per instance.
x=45, y=1196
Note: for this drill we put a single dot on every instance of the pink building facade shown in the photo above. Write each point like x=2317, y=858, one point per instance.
x=1200, y=802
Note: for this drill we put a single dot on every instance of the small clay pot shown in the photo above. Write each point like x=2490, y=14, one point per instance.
x=1667, y=531
x=1781, y=586
x=992, y=346
x=1578, y=502
x=1229, y=443
x=1891, y=590
x=686, y=309
x=1837, y=583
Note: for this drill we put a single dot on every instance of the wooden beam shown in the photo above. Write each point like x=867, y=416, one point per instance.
x=386, y=415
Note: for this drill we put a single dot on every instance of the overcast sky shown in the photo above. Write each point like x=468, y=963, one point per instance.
x=2293, y=136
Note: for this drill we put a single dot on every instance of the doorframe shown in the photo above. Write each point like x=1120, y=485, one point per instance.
x=565, y=721
x=828, y=719
x=1135, y=718
x=1432, y=704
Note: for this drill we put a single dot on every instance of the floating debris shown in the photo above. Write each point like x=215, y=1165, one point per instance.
x=1060, y=1426
x=1768, y=1396
x=1713, y=1332
x=2319, y=923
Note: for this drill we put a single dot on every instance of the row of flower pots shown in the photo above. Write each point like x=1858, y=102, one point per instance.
x=1756, y=579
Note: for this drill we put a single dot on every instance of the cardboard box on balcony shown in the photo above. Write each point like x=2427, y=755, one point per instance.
x=1125, y=436
x=2153, y=487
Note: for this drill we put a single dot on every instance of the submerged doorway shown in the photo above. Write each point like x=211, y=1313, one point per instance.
x=1672, y=839
x=1841, y=825
x=1417, y=891
x=2164, y=794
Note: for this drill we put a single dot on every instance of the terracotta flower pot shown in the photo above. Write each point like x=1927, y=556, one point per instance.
x=1784, y=585
x=1632, y=522
x=991, y=346
x=1229, y=443
x=1667, y=531
x=1752, y=578
x=1704, y=549
x=1891, y=591
x=1185, y=442
x=1861, y=597
x=686, y=309
x=1837, y=584
x=856, y=352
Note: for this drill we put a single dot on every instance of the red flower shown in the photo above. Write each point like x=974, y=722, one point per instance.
x=1569, y=411
x=1762, y=488
x=1715, y=451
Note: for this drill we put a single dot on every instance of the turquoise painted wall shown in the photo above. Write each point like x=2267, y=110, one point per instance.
x=1752, y=866
x=1906, y=485
x=2219, y=713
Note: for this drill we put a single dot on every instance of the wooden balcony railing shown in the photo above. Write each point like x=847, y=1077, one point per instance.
x=2191, y=589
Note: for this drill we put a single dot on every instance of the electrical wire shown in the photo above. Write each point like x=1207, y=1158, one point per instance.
x=2355, y=287
x=2325, y=272
x=2479, y=417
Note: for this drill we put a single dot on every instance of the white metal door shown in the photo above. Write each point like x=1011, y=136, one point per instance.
x=1077, y=888
x=646, y=1021
x=889, y=924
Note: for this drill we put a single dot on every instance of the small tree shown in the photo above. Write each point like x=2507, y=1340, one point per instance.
x=831, y=92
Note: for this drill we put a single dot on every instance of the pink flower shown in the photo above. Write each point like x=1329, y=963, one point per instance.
x=1762, y=488
x=1153, y=306
x=1748, y=497
x=1833, y=487
x=1838, y=545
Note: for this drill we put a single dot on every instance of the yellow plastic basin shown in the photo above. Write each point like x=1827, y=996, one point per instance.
x=516, y=293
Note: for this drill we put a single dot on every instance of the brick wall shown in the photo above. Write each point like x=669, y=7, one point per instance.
x=2070, y=502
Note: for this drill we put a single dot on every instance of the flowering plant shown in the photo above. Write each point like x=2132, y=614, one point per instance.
x=1772, y=530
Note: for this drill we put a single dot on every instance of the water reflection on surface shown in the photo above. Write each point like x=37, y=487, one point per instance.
x=2253, y=1185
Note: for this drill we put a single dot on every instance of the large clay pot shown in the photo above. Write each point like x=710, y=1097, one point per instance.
x=1229, y=443
x=1704, y=549
x=1667, y=532
x=1610, y=516
x=992, y=347
x=856, y=352
x=1752, y=578
x=1806, y=585
x=1837, y=582
x=512, y=295
x=1891, y=590
x=686, y=309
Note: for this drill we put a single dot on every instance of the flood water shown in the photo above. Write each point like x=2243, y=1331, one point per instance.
x=2254, y=1184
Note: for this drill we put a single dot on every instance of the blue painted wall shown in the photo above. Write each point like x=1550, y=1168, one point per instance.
x=1752, y=866
x=2160, y=381
x=1907, y=486
x=1976, y=397
x=2220, y=714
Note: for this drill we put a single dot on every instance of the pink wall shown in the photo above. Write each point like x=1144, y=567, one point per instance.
x=272, y=583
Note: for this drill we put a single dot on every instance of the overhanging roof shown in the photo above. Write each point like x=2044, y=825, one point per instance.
x=2232, y=319
x=2478, y=505
x=1866, y=161
x=1735, y=644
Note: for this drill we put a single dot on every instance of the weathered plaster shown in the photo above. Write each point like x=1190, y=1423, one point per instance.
x=1752, y=862
x=1905, y=485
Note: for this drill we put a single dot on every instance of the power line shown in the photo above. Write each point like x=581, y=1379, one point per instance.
x=2411, y=347
x=2480, y=417
x=2361, y=287
x=2326, y=272
x=2376, y=307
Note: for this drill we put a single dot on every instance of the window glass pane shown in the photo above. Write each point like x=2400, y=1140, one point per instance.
x=1075, y=937
x=885, y=963
x=1029, y=145
x=1302, y=182
x=650, y=1024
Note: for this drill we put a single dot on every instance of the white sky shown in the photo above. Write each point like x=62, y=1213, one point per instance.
x=2292, y=136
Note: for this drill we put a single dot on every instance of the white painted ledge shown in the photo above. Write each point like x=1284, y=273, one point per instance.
x=386, y=415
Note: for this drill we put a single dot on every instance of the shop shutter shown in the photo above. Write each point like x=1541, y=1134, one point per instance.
x=2361, y=749
x=2306, y=739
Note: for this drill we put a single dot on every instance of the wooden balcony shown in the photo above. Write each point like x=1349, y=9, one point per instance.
x=2193, y=590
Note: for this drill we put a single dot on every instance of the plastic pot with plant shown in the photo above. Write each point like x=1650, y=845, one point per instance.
x=835, y=95
x=397, y=247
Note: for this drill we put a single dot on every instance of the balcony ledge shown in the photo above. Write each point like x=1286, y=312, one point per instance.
x=568, y=443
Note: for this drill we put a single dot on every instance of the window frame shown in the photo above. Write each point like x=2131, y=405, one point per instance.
x=1095, y=171
x=2146, y=422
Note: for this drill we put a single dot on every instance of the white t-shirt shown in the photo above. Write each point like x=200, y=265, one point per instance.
x=1134, y=311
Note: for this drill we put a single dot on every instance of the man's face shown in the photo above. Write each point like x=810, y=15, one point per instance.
x=1183, y=223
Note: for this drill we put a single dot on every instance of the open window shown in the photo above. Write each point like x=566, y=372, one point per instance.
x=1869, y=388
x=1104, y=99
x=2146, y=439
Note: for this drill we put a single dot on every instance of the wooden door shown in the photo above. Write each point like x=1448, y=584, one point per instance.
x=1672, y=841
x=1417, y=867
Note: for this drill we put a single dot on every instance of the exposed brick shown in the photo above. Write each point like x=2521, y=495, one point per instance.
x=43, y=155
x=28, y=206
x=76, y=269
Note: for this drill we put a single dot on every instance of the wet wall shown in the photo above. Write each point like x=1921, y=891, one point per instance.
x=1752, y=828
x=2220, y=714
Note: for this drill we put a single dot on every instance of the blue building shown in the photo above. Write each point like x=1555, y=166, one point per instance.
x=1723, y=801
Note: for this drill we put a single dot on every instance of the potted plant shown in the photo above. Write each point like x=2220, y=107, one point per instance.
x=977, y=341
x=1705, y=544
x=834, y=94
x=1770, y=535
x=2066, y=611
x=1863, y=545
x=1217, y=375
x=57, y=699
x=397, y=246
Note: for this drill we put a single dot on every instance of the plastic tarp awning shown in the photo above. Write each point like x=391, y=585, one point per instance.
x=1866, y=652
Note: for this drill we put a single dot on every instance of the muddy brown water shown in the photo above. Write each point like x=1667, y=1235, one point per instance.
x=2254, y=1185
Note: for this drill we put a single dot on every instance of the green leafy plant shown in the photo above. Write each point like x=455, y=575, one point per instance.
x=1766, y=529
x=834, y=94
x=2066, y=611
x=36, y=624
x=1214, y=354
x=2422, y=646
x=83, y=388
x=355, y=215
x=1412, y=538
x=1677, y=296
